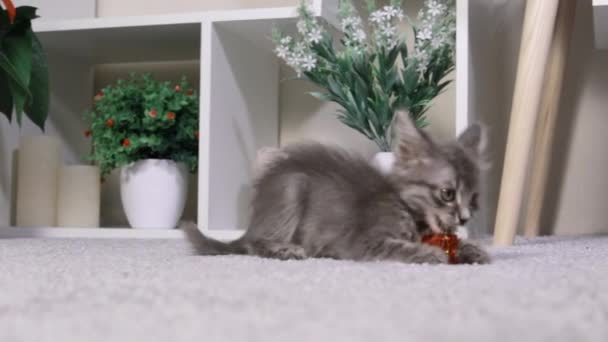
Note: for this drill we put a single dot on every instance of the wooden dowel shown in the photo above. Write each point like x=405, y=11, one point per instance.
x=539, y=22
x=549, y=107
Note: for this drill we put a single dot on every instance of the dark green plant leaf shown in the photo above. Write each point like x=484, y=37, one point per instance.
x=442, y=85
x=18, y=92
x=17, y=47
x=6, y=98
x=9, y=69
x=26, y=13
x=334, y=87
x=37, y=109
x=321, y=96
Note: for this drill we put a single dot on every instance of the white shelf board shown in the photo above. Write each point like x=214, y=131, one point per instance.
x=107, y=45
x=600, y=23
x=158, y=37
x=110, y=233
x=86, y=24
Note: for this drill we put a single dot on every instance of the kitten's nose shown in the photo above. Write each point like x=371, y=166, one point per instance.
x=463, y=216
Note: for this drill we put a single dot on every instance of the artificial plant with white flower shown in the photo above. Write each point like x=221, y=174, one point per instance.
x=369, y=71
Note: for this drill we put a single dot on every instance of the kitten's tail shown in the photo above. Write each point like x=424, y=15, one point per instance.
x=207, y=246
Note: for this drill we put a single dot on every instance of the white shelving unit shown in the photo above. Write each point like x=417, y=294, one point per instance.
x=239, y=92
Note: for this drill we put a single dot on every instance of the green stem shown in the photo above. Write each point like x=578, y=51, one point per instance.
x=383, y=144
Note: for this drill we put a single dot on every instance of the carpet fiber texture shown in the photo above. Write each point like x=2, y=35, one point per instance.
x=547, y=289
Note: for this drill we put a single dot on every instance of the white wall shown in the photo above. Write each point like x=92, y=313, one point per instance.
x=494, y=33
x=578, y=188
x=61, y=9
x=575, y=202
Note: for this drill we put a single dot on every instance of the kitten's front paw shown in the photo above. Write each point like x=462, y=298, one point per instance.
x=469, y=253
x=288, y=252
x=430, y=255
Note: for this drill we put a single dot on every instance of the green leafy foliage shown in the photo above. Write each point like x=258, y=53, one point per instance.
x=372, y=85
x=24, y=79
x=369, y=71
x=141, y=118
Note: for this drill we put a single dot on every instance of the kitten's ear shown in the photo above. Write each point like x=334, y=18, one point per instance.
x=411, y=142
x=473, y=140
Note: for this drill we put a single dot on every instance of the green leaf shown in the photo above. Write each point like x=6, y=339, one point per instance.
x=17, y=48
x=334, y=87
x=11, y=72
x=37, y=109
x=393, y=54
x=26, y=13
x=404, y=52
x=6, y=98
x=18, y=94
x=321, y=96
x=442, y=85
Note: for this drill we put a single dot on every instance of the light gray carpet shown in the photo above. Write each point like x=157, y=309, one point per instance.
x=132, y=290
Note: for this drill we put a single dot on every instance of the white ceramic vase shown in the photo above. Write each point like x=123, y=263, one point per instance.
x=383, y=162
x=153, y=193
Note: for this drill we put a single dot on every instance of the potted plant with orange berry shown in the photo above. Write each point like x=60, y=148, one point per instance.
x=148, y=129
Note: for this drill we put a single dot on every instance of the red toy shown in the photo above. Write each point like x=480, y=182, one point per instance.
x=447, y=242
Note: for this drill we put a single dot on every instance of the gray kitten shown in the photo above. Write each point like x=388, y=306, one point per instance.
x=316, y=201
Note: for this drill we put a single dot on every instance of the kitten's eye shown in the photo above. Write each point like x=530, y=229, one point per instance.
x=448, y=195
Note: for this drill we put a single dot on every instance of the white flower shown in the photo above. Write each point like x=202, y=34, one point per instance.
x=422, y=59
x=421, y=14
x=353, y=30
x=308, y=62
x=299, y=48
x=390, y=12
x=315, y=35
x=434, y=8
x=425, y=34
x=376, y=17
x=357, y=50
x=292, y=60
x=421, y=67
x=302, y=26
x=389, y=31
x=437, y=42
x=350, y=22
x=386, y=35
x=282, y=51
x=285, y=40
x=400, y=14
x=359, y=36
